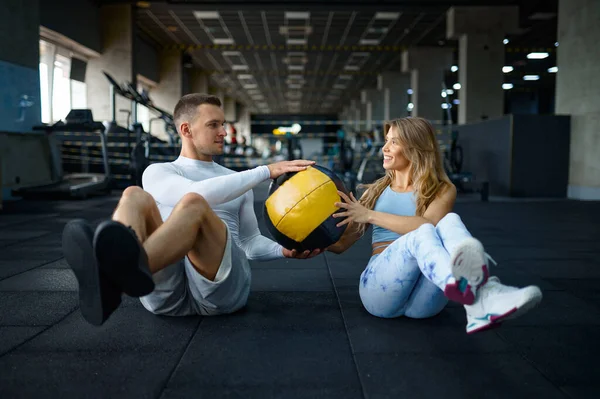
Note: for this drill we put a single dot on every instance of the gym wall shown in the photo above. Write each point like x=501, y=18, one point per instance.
x=519, y=155
x=147, y=59
x=19, y=65
x=78, y=20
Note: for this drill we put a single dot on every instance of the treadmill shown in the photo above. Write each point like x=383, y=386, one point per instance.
x=78, y=185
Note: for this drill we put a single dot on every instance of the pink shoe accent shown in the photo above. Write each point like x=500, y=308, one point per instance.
x=495, y=321
x=453, y=292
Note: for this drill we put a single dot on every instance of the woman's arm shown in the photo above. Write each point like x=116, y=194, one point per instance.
x=350, y=236
x=438, y=208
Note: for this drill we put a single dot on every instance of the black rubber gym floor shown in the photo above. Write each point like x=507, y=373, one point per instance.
x=304, y=333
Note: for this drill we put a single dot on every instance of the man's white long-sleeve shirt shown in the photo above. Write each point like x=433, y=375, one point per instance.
x=228, y=193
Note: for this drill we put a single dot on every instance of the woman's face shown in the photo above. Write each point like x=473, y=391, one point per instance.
x=393, y=152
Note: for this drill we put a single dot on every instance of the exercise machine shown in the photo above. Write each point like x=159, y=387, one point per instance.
x=80, y=185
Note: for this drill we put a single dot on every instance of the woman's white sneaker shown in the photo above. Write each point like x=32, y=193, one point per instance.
x=496, y=303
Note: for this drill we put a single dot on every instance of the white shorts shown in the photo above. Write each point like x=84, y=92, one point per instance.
x=181, y=291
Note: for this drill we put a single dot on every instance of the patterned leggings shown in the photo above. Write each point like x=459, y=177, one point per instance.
x=409, y=276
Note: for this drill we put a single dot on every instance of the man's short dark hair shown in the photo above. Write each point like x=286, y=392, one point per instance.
x=187, y=106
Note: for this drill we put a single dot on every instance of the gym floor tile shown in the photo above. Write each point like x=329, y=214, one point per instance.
x=279, y=340
x=35, y=308
x=291, y=280
x=453, y=376
x=317, y=262
x=558, y=353
x=82, y=374
x=10, y=268
x=41, y=280
x=14, y=336
x=271, y=390
x=129, y=329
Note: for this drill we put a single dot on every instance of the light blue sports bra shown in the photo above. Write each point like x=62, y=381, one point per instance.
x=403, y=204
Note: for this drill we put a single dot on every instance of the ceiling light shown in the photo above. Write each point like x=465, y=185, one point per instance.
x=445, y=106
x=351, y=68
x=456, y=86
x=409, y=91
x=507, y=86
x=554, y=69
x=531, y=77
x=387, y=15
x=505, y=41
x=507, y=69
x=223, y=41
x=456, y=101
x=454, y=68
x=207, y=14
x=410, y=106
x=537, y=56
x=345, y=77
x=295, y=67
x=555, y=44
x=296, y=41
x=369, y=42
x=444, y=94
x=297, y=15
x=449, y=91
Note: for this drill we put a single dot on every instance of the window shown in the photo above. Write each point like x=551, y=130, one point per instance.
x=60, y=92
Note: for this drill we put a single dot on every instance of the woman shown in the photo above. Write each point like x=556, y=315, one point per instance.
x=416, y=267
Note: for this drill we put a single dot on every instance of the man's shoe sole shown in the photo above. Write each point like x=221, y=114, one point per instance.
x=121, y=256
x=98, y=296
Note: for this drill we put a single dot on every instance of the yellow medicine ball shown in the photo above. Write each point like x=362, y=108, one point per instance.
x=299, y=208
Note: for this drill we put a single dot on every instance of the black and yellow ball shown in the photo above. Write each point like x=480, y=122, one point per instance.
x=299, y=209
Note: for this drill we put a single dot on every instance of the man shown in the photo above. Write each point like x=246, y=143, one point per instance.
x=183, y=242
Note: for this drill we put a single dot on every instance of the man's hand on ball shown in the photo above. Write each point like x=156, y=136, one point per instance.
x=354, y=210
x=279, y=168
x=294, y=254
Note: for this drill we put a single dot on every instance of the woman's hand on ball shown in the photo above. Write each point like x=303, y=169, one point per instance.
x=354, y=210
x=300, y=255
x=279, y=168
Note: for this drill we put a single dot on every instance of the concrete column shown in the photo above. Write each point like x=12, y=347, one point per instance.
x=366, y=112
x=426, y=66
x=243, y=124
x=480, y=31
x=198, y=81
x=578, y=92
x=117, y=35
x=217, y=91
x=354, y=115
x=169, y=89
x=374, y=97
x=395, y=87
x=229, y=109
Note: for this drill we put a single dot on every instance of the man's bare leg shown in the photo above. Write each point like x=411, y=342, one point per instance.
x=192, y=229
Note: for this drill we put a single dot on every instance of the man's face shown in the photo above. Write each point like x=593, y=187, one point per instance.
x=208, y=131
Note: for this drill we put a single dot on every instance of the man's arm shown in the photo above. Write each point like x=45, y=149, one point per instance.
x=168, y=187
x=438, y=208
x=255, y=245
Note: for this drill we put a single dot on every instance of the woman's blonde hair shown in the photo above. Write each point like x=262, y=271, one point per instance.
x=427, y=174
